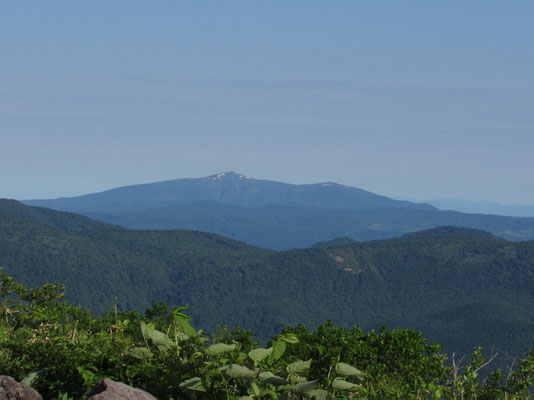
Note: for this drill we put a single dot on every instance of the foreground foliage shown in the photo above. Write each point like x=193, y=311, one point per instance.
x=62, y=351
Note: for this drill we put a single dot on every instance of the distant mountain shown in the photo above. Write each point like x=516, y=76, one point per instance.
x=274, y=215
x=460, y=287
x=483, y=207
x=229, y=188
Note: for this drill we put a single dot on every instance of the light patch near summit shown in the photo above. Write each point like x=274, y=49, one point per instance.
x=225, y=174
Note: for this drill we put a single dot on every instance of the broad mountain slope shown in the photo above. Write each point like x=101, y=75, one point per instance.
x=274, y=215
x=226, y=188
x=460, y=287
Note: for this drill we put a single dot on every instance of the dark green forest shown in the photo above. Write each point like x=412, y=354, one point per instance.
x=460, y=287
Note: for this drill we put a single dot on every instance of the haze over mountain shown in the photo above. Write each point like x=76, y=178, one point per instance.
x=483, y=207
x=461, y=287
x=273, y=214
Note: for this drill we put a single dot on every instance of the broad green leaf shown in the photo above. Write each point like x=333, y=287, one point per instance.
x=239, y=371
x=220, y=348
x=146, y=330
x=271, y=393
x=305, y=388
x=320, y=394
x=30, y=378
x=260, y=354
x=269, y=377
x=289, y=338
x=340, y=384
x=185, y=325
x=278, y=350
x=194, y=384
x=157, y=337
x=255, y=389
x=299, y=366
x=347, y=370
x=140, y=352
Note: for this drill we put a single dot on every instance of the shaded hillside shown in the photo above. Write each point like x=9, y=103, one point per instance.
x=458, y=286
x=283, y=227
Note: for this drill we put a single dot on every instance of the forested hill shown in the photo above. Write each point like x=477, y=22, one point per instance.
x=98, y=261
x=463, y=288
x=448, y=230
x=12, y=210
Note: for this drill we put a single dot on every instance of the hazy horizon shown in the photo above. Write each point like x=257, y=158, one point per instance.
x=414, y=99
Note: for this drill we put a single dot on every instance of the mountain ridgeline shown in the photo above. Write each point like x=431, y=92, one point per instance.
x=274, y=215
x=460, y=287
x=226, y=188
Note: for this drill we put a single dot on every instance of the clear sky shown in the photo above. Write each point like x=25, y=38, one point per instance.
x=423, y=99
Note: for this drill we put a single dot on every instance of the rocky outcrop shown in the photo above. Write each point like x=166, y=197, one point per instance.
x=107, y=389
x=10, y=389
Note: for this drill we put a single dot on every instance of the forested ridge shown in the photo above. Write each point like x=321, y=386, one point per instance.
x=463, y=288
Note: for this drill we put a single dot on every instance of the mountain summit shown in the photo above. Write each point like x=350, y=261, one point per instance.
x=230, y=188
x=227, y=176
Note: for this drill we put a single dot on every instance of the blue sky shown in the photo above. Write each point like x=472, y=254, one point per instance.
x=420, y=99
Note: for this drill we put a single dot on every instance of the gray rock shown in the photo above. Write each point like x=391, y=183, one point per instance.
x=107, y=389
x=10, y=389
